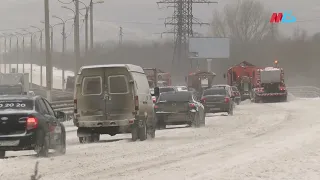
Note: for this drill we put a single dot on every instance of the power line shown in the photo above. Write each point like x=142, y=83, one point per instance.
x=182, y=21
x=131, y=22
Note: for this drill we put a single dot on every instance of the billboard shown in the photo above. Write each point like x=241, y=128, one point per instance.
x=209, y=47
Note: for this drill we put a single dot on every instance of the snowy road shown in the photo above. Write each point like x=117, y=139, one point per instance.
x=261, y=141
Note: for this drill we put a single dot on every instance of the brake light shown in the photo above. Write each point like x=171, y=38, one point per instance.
x=192, y=105
x=156, y=106
x=259, y=89
x=226, y=99
x=75, y=109
x=282, y=88
x=154, y=99
x=136, y=103
x=32, y=123
x=203, y=100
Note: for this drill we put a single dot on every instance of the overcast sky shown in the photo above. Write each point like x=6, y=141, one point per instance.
x=140, y=19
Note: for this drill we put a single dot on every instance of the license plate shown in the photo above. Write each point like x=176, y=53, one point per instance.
x=9, y=143
x=57, y=129
x=212, y=109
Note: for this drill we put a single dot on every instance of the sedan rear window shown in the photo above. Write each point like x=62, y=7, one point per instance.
x=25, y=104
x=214, y=92
x=176, y=97
x=234, y=89
x=166, y=90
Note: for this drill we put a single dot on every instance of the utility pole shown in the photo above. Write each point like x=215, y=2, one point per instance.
x=51, y=40
x=76, y=37
x=17, y=68
x=10, y=50
x=91, y=24
x=41, y=52
x=48, y=50
x=23, y=53
x=86, y=30
x=120, y=36
x=1, y=57
x=63, y=52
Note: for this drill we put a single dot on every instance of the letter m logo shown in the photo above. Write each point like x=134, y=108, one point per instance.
x=276, y=18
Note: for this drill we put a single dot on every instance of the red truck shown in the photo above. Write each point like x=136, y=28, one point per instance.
x=241, y=76
x=156, y=77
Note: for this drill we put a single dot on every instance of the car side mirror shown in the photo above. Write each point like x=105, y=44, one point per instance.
x=61, y=116
x=156, y=91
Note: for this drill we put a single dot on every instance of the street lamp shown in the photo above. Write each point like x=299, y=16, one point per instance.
x=10, y=48
x=76, y=46
x=86, y=26
x=31, y=54
x=64, y=37
x=91, y=21
x=23, y=51
x=51, y=27
x=17, y=46
x=41, y=52
x=1, y=53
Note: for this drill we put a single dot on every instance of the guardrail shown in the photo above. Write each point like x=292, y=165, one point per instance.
x=64, y=106
x=304, y=91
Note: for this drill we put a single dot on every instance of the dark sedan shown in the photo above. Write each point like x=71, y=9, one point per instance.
x=175, y=108
x=217, y=100
x=29, y=123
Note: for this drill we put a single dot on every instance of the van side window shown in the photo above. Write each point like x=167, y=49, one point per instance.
x=92, y=85
x=118, y=84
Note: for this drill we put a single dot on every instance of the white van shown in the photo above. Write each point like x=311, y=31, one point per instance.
x=113, y=99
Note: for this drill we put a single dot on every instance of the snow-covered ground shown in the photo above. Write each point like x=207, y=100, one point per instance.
x=57, y=74
x=261, y=141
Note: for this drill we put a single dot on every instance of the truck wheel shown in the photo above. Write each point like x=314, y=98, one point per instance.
x=134, y=132
x=196, y=121
x=143, y=130
x=2, y=154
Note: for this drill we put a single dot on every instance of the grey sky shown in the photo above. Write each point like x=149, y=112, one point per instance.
x=114, y=13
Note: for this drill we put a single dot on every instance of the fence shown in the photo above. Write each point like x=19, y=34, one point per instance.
x=304, y=91
x=64, y=106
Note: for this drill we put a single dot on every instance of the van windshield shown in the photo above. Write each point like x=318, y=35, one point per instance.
x=92, y=85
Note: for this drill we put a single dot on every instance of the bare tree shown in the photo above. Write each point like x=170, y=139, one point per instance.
x=299, y=34
x=246, y=21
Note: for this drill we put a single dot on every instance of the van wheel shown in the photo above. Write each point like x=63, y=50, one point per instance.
x=143, y=130
x=134, y=132
x=2, y=154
